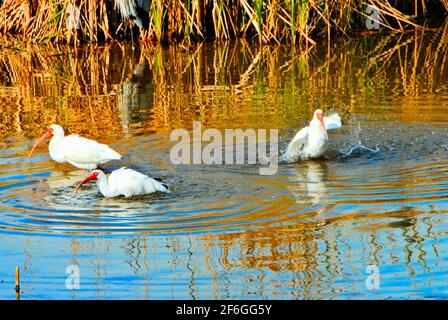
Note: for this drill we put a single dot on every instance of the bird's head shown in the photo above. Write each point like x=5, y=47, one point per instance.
x=53, y=130
x=56, y=130
x=94, y=175
x=319, y=115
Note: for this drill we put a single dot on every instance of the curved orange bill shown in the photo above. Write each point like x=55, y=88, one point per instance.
x=91, y=177
x=41, y=139
x=321, y=119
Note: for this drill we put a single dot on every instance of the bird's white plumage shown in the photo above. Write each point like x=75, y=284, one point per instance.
x=80, y=152
x=85, y=153
x=333, y=122
x=311, y=141
x=297, y=142
x=127, y=182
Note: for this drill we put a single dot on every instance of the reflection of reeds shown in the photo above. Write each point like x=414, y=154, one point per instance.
x=269, y=20
x=309, y=253
x=237, y=84
x=55, y=85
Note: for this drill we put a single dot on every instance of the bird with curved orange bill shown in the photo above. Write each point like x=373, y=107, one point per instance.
x=124, y=182
x=80, y=152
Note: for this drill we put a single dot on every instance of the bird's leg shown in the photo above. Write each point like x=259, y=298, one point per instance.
x=132, y=37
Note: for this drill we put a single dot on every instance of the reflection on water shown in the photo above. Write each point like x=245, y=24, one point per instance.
x=136, y=96
x=378, y=197
x=309, y=180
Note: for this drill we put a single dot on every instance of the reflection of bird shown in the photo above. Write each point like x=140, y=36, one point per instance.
x=135, y=10
x=124, y=182
x=312, y=141
x=78, y=151
x=137, y=95
x=310, y=180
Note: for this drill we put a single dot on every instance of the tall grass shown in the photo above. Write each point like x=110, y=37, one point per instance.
x=295, y=21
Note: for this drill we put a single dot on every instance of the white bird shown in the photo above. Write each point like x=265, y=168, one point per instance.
x=78, y=151
x=312, y=141
x=124, y=182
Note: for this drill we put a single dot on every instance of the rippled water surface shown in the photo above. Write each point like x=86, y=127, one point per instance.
x=378, y=197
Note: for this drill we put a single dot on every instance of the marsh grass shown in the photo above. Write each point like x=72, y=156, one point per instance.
x=271, y=21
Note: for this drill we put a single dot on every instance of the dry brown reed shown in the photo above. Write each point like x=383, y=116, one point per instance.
x=275, y=21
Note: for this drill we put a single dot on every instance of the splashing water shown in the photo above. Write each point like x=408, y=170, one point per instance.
x=357, y=150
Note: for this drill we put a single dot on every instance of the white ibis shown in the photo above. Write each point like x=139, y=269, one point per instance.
x=124, y=182
x=78, y=151
x=312, y=141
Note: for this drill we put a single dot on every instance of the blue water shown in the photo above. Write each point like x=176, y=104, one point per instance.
x=379, y=196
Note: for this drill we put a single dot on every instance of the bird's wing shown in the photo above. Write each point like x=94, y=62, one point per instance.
x=297, y=143
x=123, y=174
x=81, y=150
x=333, y=122
x=130, y=182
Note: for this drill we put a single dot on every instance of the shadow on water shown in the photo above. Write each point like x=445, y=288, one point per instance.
x=377, y=197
